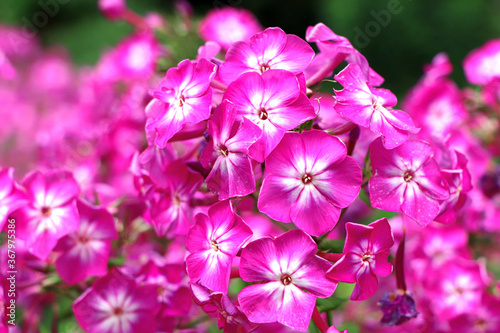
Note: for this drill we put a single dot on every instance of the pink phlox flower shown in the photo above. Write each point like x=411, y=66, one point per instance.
x=454, y=169
x=365, y=255
x=308, y=179
x=214, y=241
x=289, y=277
x=228, y=25
x=51, y=213
x=457, y=288
x=407, y=179
x=168, y=203
x=183, y=97
x=439, y=68
x=227, y=153
x=333, y=50
x=117, y=304
x=372, y=108
x=274, y=102
x=11, y=195
x=483, y=64
x=174, y=296
x=269, y=49
x=85, y=252
x=112, y=9
x=230, y=318
x=485, y=318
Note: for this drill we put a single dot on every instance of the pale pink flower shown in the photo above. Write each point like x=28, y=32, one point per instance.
x=364, y=257
x=308, y=179
x=290, y=277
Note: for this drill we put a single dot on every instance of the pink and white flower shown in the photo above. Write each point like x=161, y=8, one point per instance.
x=228, y=25
x=483, y=64
x=269, y=49
x=365, y=255
x=86, y=251
x=183, y=97
x=372, y=108
x=290, y=277
x=214, y=241
x=274, y=102
x=407, y=179
x=117, y=304
x=308, y=179
x=11, y=196
x=227, y=153
x=51, y=212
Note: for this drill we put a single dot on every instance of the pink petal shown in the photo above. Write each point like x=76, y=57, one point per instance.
x=295, y=56
x=366, y=285
x=268, y=44
x=280, y=88
x=380, y=266
x=246, y=93
x=276, y=197
x=211, y=268
x=381, y=238
x=313, y=213
x=311, y=277
x=259, y=261
x=387, y=193
x=296, y=309
x=261, y=302
x=346, y=269
x=303, y=248
x=418, y=206
x=358, y=238
x=240, y=58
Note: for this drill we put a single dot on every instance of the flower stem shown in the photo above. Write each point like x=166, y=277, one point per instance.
x=320, y=323
x=399, y=264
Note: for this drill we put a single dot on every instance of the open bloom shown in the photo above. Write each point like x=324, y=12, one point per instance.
x=371, y=108
x=407, y=179
x=228, y=25
x=290, y=277
x=364, y=257
x=274, y=102
x=214, y=241
x=227, y=153
x=51, y=212
x=269, y=49
x=183, y=97
x=11, y=197
x=308, y=179
x=86, y=251
x=483, y=64
x=117, y=304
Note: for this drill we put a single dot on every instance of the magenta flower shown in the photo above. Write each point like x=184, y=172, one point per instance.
x=214, y=241
x=333, y=50
x=85, y=252
x=269, y=49
x=228, y=25
x=216, y=304
x=183, y=97
x=169, y=207
x=365, y=255
x=308, y=179
x=483, y=64
x=290, y=277
x=407, y=179
x=117, y=304
x=371, y=108
x=274, y=102
x=51, y=212
x=227, y=153
x=11, y=196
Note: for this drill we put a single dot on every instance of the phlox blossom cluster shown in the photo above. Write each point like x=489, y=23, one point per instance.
x=242, y=189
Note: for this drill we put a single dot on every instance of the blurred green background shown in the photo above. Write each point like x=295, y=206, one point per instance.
x=420, y=29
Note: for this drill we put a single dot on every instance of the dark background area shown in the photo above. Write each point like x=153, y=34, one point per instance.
x=398, y=51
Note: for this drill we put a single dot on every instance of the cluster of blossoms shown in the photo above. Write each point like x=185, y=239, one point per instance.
x=243, y=189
